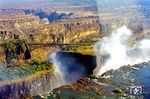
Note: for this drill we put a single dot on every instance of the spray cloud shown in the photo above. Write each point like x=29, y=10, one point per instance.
x=113, y=52
x=67, y=68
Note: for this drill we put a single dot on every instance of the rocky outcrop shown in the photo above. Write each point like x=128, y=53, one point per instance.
x=16, y=22
x=113, y=84
x=67, y=31
x=30, y=86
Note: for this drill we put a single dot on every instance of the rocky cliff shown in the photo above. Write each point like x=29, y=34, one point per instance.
x=30, y=86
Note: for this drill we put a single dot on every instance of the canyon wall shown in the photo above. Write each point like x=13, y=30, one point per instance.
x=30, y=86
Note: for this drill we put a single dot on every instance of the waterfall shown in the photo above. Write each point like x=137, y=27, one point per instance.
x=114, y=51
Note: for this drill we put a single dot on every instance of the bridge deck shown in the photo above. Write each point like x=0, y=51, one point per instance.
x=58, y=44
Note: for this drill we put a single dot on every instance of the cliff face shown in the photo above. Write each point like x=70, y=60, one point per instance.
x=35, y=29
x=16, y=22
x=38, y=84
x=20, y=25
x=30, y=87
x=67, y=31
x=35, y=26
x=27, y=23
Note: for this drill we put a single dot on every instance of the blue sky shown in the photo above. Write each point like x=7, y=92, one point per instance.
x=140, y=2
x=41, y=0
x=15, y=1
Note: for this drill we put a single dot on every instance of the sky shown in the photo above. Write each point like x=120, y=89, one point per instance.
x=20, y=0
x=10, y=3
x=141, y=2
x=42, y=0
x=100, y=3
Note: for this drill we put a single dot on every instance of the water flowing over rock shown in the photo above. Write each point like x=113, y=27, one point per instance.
x=114, y=51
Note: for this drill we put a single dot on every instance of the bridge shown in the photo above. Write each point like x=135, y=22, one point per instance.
x=60, y=45
x=33, y=46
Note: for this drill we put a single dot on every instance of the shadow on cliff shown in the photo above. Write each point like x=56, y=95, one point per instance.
x=53, y=16
x=75, y=62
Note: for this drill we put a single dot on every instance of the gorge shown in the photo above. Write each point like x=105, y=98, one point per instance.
x=74, y=66
x=74, y=49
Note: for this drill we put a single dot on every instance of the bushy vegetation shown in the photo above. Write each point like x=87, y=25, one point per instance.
x=16, y=49
x=35, y=66
x=38, y=65
x=20, y=63
x=117, y=90
x=86, y=50
x=88, y=41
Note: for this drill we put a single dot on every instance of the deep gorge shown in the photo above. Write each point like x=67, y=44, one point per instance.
x=47, y=82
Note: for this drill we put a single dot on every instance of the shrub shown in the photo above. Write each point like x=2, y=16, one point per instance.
x=117, y=90
x=47, y=63
x=39, y=65
x=35, y=62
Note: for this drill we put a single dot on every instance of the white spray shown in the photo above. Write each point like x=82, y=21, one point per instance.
x=113, y=52
x=58, y=74
x=68, y=69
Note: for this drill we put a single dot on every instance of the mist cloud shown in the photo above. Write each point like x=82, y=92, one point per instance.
x=114, y=51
